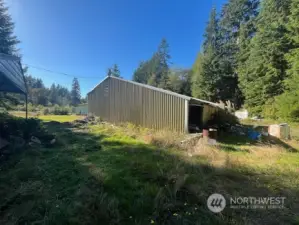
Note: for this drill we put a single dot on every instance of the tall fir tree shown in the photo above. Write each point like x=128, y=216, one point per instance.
x=53, y=96
x=75, y=93
x=286, y=106
x=140, y=74
x=160, y=63
x=205, y=73
x=155, y=71
x=179, y=81
x=262, y=74
x=115, y=71
x=109, y=72
x=236, y=22
x=292, y=57
x=8, y=40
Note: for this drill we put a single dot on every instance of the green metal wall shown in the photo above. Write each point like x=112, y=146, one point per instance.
x=118, y=101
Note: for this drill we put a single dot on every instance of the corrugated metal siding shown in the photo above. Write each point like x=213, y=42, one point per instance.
x=120, y=101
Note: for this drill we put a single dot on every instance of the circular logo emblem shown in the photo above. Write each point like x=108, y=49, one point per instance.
x=216, y=202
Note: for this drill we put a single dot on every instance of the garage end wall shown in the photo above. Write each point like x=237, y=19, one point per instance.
x=118, y=101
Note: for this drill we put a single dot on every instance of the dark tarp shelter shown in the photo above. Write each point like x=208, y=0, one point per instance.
x=12, y=77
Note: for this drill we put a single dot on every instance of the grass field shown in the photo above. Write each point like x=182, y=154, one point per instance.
x=58, y=118
x=103, y=174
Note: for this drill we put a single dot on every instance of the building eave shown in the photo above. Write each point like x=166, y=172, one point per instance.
x=157, y=89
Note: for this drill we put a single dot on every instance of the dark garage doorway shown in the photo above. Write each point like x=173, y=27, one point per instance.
x=195, y=118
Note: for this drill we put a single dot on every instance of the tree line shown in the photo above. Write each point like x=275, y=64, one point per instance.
x=249, y=56
x=38, y=94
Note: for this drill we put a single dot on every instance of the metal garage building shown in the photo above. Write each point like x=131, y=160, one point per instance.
x=117, y=100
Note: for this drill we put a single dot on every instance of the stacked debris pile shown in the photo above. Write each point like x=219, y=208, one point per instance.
x=88, y=120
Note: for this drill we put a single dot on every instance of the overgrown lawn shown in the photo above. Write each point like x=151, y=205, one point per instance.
x=104, y=174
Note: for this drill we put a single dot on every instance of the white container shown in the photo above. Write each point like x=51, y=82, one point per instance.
x=280, y=130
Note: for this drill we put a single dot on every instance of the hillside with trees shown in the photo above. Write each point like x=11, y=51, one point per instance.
x=250, y=57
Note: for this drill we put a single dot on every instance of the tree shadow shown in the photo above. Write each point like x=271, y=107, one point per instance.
x=228, y=138
x=97, y=180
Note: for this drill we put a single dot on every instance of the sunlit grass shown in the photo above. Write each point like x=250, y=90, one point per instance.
x=107, y=174
x=57, y=118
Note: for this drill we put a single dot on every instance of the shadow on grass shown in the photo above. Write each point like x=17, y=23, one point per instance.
x=96, y=179
x=237, y=140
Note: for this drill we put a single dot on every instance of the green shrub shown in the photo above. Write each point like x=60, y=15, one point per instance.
x=270, y=109
x=58, y=110
x=21, y=107
x=285, y=106
x=46, y=111
x=17, y=126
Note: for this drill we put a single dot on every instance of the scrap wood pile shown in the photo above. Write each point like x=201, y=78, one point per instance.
x=18, y=133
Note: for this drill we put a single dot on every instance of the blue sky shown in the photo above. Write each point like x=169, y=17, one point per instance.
x=85, y=37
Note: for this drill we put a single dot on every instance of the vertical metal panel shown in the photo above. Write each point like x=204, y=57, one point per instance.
x=120, y=101
x=186, y=115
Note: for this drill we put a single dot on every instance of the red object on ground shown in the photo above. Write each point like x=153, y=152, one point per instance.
x=205, y=133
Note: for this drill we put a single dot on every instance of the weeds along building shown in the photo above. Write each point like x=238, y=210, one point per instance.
x=117, y=100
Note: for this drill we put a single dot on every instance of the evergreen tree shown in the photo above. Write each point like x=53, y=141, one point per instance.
x=292, y=57
x=211, y=34
x=115, y=71
x=236, y=24
x=140, y=74
x=261, y=75
x=160, y=65
x=8, y=40
x=53, y=96
x=197, y=84
x=205, y=74
x=155, y=71
x=179, y=81
x=109, y=72
x=286, y=106
x=75, y=93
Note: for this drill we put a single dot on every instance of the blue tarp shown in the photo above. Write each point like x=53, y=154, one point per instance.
x=11, y=75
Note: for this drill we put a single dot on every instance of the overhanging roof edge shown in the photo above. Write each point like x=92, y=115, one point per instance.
x=143, y=85
x=158, y=89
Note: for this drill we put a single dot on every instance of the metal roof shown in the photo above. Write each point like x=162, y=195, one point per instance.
x=158, y=89
x=11, y=74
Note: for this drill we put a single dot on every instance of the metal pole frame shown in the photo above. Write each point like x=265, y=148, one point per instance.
x=26, y=97
x=26, y=94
